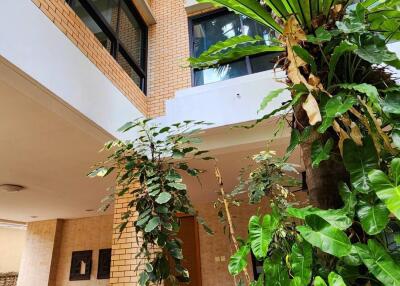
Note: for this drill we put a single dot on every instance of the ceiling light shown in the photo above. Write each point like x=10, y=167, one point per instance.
x=89, y=210
x=10, y=188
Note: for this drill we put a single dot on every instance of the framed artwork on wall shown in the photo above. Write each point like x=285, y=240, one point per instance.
x=104, y=264
x=81, y=265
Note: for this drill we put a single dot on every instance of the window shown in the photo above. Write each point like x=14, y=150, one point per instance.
x=120, y=29
x=206, y=30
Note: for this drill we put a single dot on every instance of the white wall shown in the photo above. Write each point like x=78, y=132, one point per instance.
x=12, y=242
x=35, y=45
x=226, y=102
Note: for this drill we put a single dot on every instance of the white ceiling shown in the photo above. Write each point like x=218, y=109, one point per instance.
x=48, y=148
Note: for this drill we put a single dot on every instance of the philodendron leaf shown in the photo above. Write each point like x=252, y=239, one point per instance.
x=359, y=161
x=337, y=218
x=391, y=103
x=320, y=152
x=238, y=261
x=260, y=234
x=379, y=262
x=273, y=94
x=373, y=218
x=388, y=189
x=275, y=273
x=319, y=233
x=369, y=90
x=335, y=107
x=296, y=281
x=352, y=259
x=301, y=260
x=318, y=281
x=321, y=35
x=339, y=50
x=163, y=198
x=335, y=279
x=349, y=199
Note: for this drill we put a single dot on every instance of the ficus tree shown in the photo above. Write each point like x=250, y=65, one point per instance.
x=148, y=172
x=345, y=107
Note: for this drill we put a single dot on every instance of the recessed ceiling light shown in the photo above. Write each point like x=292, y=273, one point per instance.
x=34, y=216
x=10, y=188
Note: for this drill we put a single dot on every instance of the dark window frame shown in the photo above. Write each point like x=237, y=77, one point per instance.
x=210, y=15
x=116, y=43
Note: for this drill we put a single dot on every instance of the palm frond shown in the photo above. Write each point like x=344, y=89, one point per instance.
x=232, y=49
x=249, y=8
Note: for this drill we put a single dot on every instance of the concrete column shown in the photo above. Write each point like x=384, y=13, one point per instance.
x=39, y=259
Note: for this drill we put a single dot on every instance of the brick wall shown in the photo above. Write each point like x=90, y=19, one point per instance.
x=71, y=25
x=168, y=49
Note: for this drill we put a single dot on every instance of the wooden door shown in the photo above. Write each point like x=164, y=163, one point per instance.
x=191, y=248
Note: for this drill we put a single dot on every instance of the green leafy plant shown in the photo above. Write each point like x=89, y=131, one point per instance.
x=345, y=110
x=148, y=173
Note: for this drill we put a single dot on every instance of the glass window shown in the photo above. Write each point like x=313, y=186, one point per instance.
x=109, y=10
x=119, y=28
x=130, y=33
x=209, y=29
x=91, y=24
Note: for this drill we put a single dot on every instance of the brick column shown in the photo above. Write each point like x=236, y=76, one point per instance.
x=124, y=249
x=39, y=259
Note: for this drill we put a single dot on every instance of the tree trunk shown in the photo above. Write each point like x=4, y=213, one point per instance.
x=322, y=182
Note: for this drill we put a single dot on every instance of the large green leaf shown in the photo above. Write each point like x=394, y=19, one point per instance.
x=349, y=199
x=318, y=281
x=320, y=152
x=335, y=279
x=321, y=36
x=373, y=218
x=238, y=261
x=336, y=217
x=260, y=234
x=388, y=189
x=301, y=259
x=279, y=8
x=319, y=233
x=379, y=262
x=275, y=273
x=359, y=161
x=391, y=103
x=248, y=8
x=335, y=107
x=352, y=259
x=232, y=49
x=369, y=90
x=339, y=50
x=373, y=49
x=296, y=281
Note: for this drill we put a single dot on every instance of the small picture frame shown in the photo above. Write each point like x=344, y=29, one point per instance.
x=81, y=265
x=104, y=264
